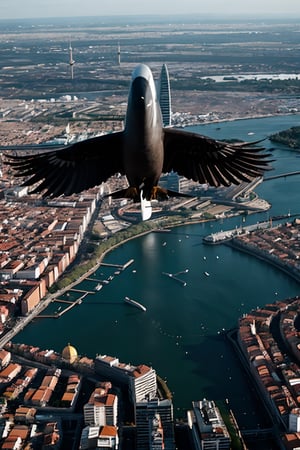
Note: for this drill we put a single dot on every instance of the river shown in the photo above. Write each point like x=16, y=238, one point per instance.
x=180, y=335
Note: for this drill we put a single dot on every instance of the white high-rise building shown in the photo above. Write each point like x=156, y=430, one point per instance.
x=164, y=96
x=101, y=409
x=140, y=380
x=208, y=428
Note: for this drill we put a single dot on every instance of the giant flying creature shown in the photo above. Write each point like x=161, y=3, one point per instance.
x=142, y=152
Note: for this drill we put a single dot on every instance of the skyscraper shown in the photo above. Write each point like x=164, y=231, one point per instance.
x=207, y=425
x=164, y=94
x=147, y=427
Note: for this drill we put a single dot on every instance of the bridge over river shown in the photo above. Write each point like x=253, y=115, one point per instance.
x=282, y=175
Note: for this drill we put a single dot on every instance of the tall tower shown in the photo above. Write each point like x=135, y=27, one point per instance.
x=71, y=60
x=146, y=415
x=119, y=54
x=165, y=96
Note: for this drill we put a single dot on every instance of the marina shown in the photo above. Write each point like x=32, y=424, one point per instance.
x=85, y=292
x=61, y=312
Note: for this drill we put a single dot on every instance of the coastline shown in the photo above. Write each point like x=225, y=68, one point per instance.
x=234, y=243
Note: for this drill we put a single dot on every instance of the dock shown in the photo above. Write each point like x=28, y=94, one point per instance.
x=118, y=266
x=81, y=291
x=97, y=280
x=62, y=312
x=132, y=302
x=84, y=292
x=174, y=277
x=128, y=264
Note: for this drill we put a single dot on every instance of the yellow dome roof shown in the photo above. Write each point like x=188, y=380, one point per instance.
x=69, y=353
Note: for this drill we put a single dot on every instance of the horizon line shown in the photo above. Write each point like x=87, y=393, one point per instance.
x=212, y=15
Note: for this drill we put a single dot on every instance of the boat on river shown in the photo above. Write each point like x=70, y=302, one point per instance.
x=132, y=302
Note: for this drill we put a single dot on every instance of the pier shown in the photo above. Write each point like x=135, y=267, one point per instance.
x=84, y=292
x=81, y=291
x=118, y=266
x=174, y=277
x=97, y=280
x=58, y=315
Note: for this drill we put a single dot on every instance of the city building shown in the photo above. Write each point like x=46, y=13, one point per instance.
x=69, y=353
x=208, y=429
x=140, y=380
x=155, y=425
x=98, y=437
x=102, y=407
x=5, y=358
x=157, y=434
x=165, y=96
x=294, y=420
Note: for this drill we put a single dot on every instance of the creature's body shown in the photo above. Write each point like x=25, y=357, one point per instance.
x=142, y=151
x=143, y=135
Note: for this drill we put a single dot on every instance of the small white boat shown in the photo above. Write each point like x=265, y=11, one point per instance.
x=98, y=287
x=207, y=274
x=135, y=303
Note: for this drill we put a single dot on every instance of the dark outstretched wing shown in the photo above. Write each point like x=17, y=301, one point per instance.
x=71, y=169
x=206, y=160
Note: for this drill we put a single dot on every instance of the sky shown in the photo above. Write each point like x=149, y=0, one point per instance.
x=15, y=9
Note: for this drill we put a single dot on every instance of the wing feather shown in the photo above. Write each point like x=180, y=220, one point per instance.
x=71, y=169
x=207, y=160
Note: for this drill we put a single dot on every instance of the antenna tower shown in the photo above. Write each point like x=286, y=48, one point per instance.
x=71, y=60
x=119, y=54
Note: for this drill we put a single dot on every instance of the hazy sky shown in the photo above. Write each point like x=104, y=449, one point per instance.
x=65, y=8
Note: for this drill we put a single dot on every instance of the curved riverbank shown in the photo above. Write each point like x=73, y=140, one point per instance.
x=257, y=253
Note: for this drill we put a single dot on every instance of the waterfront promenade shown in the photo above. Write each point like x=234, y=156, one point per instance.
x=224, y=236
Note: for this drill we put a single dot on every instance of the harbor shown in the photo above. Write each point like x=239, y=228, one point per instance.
x=71, y=305
x=98, y=282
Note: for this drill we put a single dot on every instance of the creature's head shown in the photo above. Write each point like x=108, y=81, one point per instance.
x=142, y=99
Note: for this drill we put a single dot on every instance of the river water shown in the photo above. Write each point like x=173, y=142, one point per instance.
x=180, y=335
